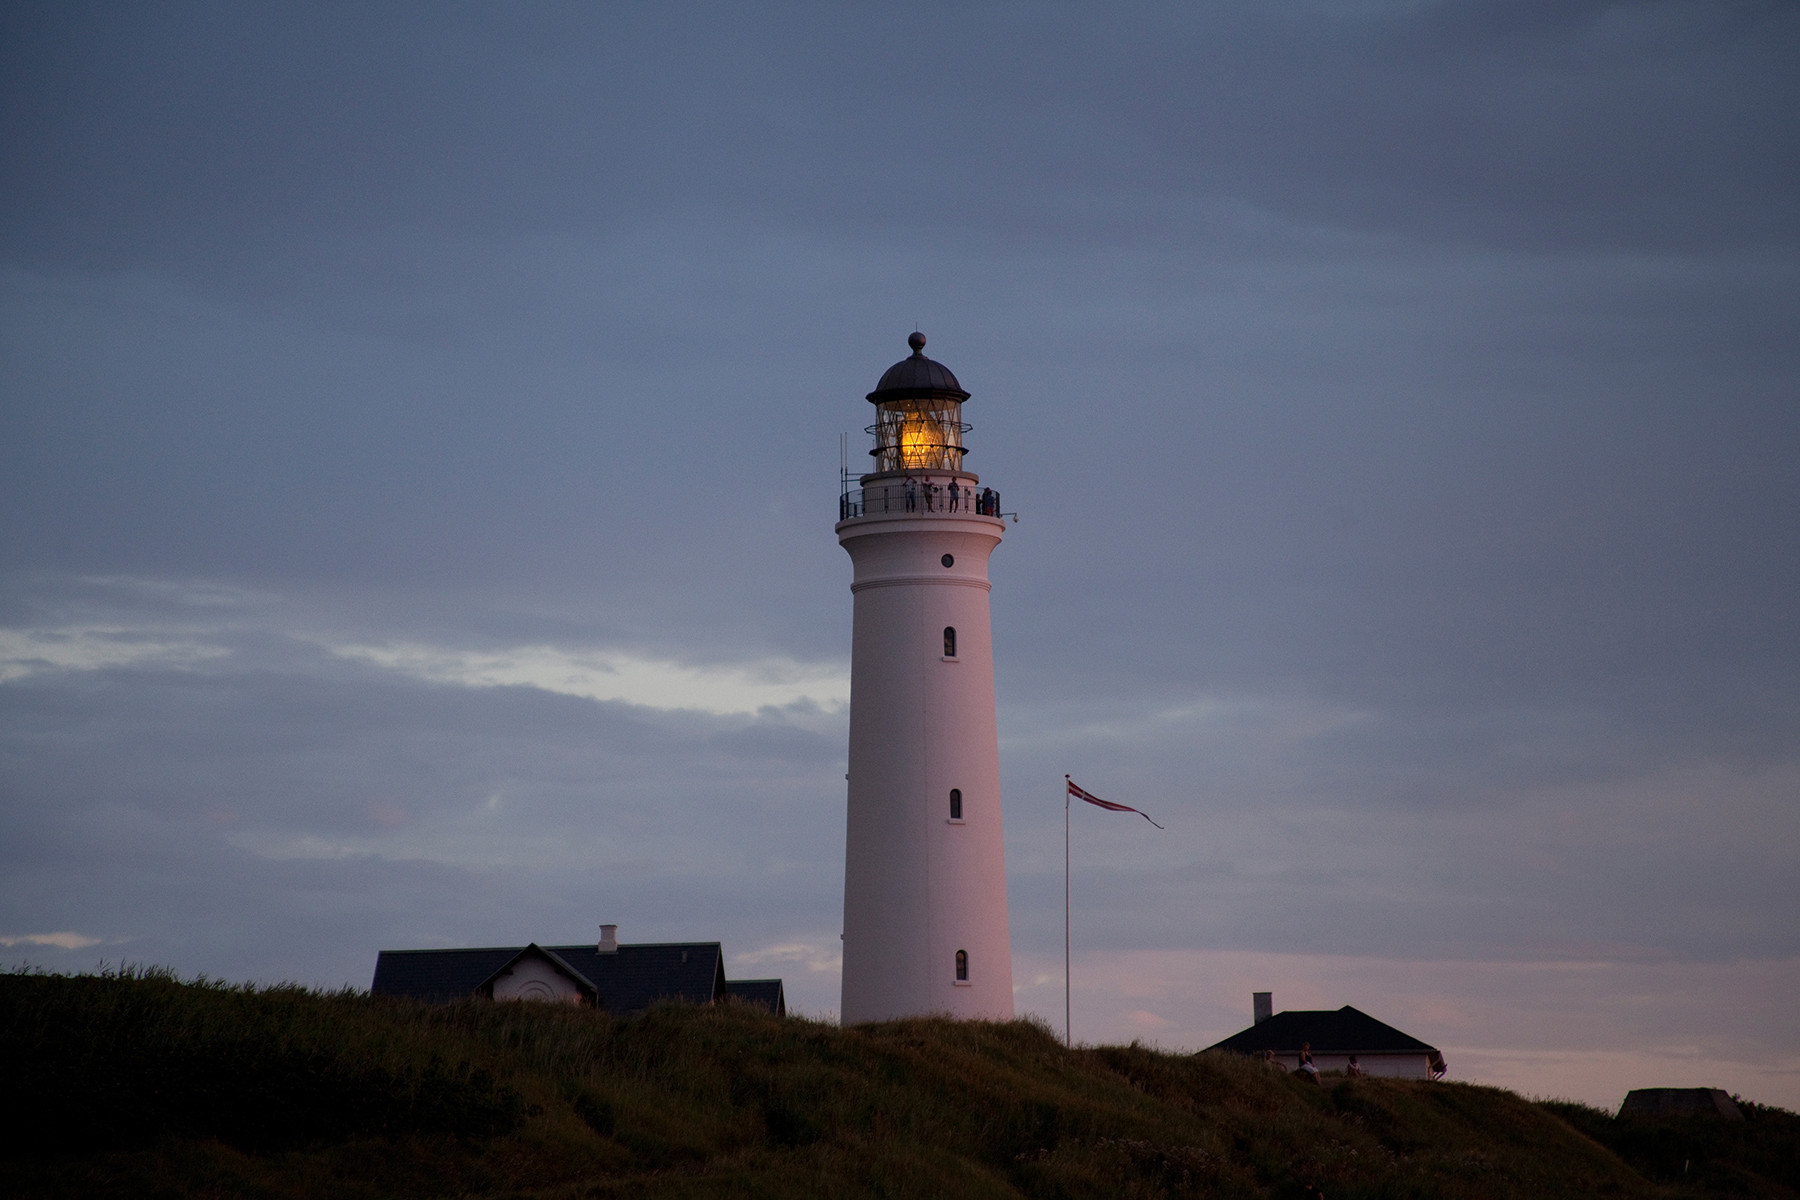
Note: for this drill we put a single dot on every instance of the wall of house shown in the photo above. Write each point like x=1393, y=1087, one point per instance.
x=1387, y=1066
x=535, y=979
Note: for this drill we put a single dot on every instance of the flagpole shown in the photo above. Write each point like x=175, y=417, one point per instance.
x=1068, y=1008
x=1070, y=790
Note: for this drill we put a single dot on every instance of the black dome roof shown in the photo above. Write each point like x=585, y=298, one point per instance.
x=917, y=376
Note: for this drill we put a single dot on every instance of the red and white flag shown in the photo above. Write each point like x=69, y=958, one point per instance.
x=1076, y=791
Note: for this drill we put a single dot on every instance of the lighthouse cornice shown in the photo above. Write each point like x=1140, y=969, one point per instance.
x=880, y=523
x=916, y=580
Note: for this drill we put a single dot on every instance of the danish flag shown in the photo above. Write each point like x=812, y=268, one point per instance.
x=1076, y=791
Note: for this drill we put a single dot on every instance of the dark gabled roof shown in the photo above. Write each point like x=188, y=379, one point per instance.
x=1345, y=1031
x=437, y=976
x=627, y=980
x=632, y=978
x=916, y=377
x=767, y=993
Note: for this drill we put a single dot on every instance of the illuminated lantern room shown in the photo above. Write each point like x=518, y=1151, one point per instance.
x=918, y=415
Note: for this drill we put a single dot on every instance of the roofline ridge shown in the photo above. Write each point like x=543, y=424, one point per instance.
x=633, y=945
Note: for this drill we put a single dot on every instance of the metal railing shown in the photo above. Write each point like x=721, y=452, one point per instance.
x=920, y=498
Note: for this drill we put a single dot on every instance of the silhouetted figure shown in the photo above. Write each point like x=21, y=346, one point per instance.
x=1353, y=1069
x=912, y=496
x=955, y=494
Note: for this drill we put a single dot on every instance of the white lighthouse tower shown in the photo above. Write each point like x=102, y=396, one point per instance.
x=925, y=928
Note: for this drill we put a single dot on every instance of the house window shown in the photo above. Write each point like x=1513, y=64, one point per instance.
x=962, y=966
x=949, y=641
x=956, y=804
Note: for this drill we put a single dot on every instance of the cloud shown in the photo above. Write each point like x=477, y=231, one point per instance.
x=613, y=675
x=24, y=652
x=807, y=956
x=280, y=811
x=65, y=940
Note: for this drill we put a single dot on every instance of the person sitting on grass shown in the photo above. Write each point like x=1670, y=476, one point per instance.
x=1307, y=1067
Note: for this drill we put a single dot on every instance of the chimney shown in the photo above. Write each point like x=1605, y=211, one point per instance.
x=609, y=939
x=1262, y=1004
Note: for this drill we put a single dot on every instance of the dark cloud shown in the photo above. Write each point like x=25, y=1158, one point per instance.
x=200, y=134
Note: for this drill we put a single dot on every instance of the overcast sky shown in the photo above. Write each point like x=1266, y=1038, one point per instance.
x=419, y=446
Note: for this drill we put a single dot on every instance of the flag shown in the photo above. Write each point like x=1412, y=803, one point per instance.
x=1076, y=791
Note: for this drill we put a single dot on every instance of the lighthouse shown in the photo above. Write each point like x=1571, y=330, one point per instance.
x=925, y=926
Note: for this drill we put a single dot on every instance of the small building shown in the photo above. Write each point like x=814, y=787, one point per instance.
x=764, y=993
x=608, y=975
x=1334, y=1036
x=1680, y=1102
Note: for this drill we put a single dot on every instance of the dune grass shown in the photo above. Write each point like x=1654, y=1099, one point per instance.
x=141, y=1084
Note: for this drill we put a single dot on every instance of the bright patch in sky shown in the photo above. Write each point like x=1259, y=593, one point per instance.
x=27, y=652
x=613, y=675
x=809, y=955
x=64, y=939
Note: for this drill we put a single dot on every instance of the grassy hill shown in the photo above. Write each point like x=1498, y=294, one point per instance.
x=138, y=1084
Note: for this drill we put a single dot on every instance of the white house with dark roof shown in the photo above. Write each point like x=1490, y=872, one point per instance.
x=1334, y=1035
x=608, y=975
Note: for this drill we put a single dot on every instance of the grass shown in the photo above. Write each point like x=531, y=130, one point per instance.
x=1758, y=1156
x=142, y=1085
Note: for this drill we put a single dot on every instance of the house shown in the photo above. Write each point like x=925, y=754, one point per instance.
x=1680, y=1102
x=608, y=975
x=1334, y=1036
x=767, y=993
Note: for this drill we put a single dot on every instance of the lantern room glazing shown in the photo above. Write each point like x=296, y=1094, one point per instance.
x=918, y=416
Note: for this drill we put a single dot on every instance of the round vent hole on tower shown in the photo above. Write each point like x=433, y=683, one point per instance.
x=949, y=560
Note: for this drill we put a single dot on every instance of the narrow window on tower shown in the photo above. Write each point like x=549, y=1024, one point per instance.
x=956, y=804
x=962, y=966
x=949, y=641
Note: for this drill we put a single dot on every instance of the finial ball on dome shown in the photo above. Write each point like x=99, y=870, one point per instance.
x=917, y=377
